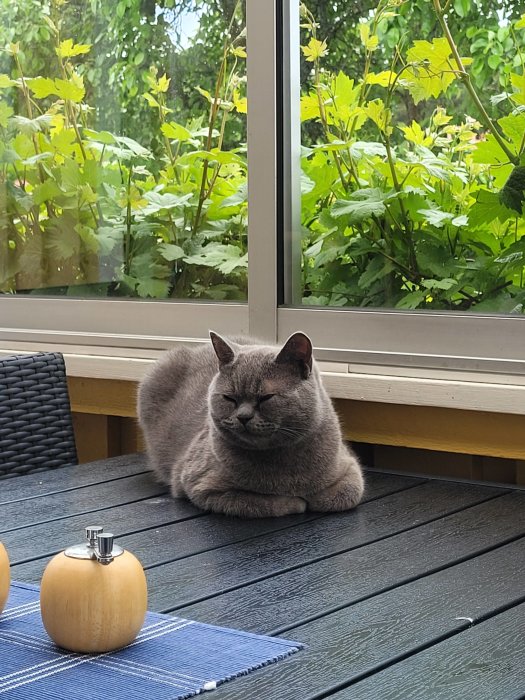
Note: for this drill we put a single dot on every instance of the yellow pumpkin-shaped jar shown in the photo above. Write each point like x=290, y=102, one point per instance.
x=5, y=577
x=93, y=597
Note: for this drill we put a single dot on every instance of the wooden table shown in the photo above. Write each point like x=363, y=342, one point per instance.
x=418, y=593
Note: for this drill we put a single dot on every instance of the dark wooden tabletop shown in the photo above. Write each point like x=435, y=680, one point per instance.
x=418, y=593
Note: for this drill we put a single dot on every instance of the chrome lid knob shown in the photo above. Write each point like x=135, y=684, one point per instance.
x=92, y=531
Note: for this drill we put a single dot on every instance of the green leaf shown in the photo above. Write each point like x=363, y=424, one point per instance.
x=378, y=268
x=175, y=131
x=71, y=175
x=31, y=126
x=489, y=151
x=88, y=237
x=512, y=195
x=434, y=258
x=367, y=148
x=69, y=90
x=240, y=197
x=513, y=126
x=150, y=99
x=100, y=136
x=364, y=205
x=67, y=49
x=215, y=155
x=134, y=147
x=380, y=115
x=462, y=7
x=46, y=191
x=226, y=258
x=514, y=255
x=5, y=112
x=170, y=251
x=108, y=238
x=460, y=221
x=445, y=284
x=431, y=69
x=154, y=288
x=5, y=81
x=487, y=208
x=62, y=240
x=411, y=300
x=436, y=217
x=158, y=201
x=520, y=24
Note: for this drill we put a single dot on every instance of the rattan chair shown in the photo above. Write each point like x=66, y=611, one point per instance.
x=36, y=429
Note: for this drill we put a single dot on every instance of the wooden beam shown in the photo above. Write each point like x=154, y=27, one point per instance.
x=425, y=427
x=97, y=436
x=431, y=428
x=112, y=397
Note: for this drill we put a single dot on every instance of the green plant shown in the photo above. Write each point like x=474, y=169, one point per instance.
x=405, y=215
x=87, y=207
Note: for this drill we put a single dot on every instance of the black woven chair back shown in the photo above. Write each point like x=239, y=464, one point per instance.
x=36, y=429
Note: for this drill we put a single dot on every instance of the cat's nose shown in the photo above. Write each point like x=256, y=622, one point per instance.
x=245, y=414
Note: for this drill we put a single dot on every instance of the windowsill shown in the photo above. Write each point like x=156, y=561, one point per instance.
x=497, y=393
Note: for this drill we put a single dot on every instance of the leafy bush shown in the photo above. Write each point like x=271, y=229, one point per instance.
x=426, y=214
x=411, y=216
x=82, y=206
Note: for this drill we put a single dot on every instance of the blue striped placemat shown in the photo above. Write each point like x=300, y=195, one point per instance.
x=171, y=659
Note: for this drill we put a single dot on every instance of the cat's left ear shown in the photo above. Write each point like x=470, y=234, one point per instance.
x=298, y=351
x=223, y=351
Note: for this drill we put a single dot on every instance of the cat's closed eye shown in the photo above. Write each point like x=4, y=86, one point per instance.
x=266, y=397
x=230, y=398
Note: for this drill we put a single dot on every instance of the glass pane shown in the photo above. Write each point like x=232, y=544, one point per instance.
x=122, y=148
x=413, y=160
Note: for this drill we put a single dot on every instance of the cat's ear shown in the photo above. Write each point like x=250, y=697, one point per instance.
x=223, y=351
x=297, y=351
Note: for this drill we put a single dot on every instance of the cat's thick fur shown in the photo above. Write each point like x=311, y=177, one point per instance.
x=247, y=430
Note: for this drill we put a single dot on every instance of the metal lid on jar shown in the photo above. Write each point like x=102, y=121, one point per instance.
x=99, y=546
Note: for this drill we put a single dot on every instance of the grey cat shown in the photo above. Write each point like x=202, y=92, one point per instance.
x=247, y=430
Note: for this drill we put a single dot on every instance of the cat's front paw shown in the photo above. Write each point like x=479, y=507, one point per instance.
x=343, y=495
x=288, y=505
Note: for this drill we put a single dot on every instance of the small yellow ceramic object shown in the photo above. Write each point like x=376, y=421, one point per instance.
x=93, y=597
x=5, y=577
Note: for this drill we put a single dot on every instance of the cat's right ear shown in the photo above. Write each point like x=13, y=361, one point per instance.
x=223, y=351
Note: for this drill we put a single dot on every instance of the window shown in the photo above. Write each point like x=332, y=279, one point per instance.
x=412, y=133
x=123, y=138
x=329, y=227
x=407, y=119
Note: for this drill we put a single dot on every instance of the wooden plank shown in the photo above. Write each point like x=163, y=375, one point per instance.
x=83, y=500
x=485, y=663
x=428, y=427
x=175, y=540
x=361, y=639
x=113, y=397
x=49, y=538
x=217, y=571
x=434, y=428
x=275, y=604
x=97, y=436
x=70, y=478
x=131, y=438
x=520, y=472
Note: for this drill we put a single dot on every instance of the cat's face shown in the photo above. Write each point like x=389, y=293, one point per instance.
x=262, y=399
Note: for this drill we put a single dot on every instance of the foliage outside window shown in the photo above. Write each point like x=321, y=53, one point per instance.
x=154, y=207
x=123, y=160
x=414, y=173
